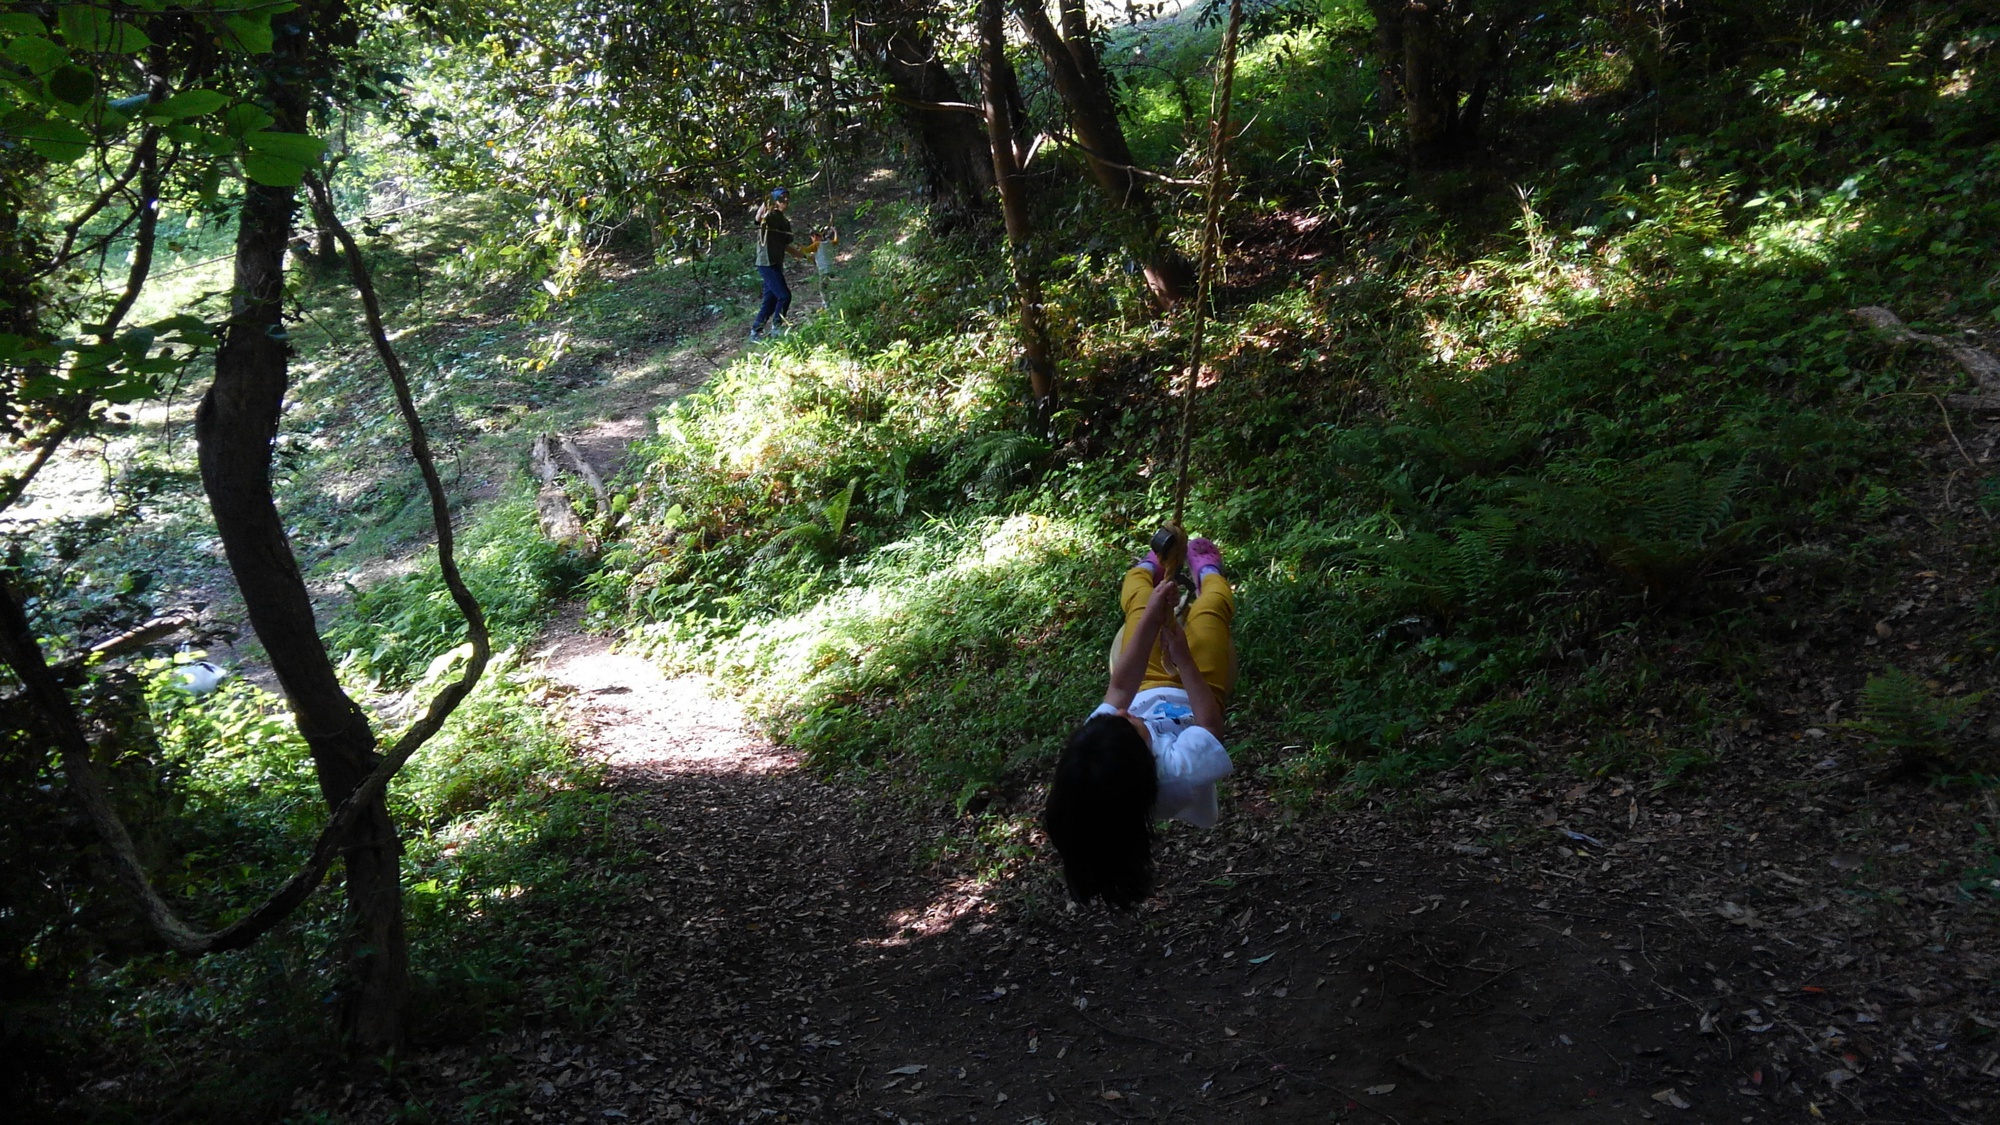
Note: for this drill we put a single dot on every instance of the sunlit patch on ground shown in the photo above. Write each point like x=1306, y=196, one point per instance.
x=955, y=902
x=639, y=721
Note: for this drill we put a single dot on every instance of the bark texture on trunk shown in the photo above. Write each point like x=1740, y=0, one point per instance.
x=235, y=427
x=1002, y=95
x=950, y=142
x=1078, y=74
x=1440, y=61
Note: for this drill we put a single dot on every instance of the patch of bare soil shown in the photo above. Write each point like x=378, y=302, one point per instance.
x=1792, y=942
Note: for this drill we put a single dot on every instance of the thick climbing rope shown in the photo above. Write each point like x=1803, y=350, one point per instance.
x=1218, y=141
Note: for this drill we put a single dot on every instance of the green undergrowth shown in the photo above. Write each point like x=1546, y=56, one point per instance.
x=1501, y=479
x=494, y=357
x=509, y=852
x=400, y=629
x=508, y=837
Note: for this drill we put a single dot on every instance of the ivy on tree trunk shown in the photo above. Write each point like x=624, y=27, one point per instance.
x=235, y=427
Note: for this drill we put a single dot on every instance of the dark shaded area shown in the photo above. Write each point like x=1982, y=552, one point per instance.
x=1514, y=948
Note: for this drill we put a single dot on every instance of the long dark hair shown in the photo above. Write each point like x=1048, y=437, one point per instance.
x=1099, y=814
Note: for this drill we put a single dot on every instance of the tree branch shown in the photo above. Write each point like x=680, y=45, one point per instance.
x=446, y=700
x=1132, y=168
x=1976, y=362
x=11, y=490
x=139, y=636
x=23, y=653
x=75, y=226
x=147, y=156
x=940, y=107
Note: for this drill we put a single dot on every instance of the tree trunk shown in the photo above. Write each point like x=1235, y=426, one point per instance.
x=1079, y=79
x=950, y=142
x=1439, y=59
x=326, y=253
x=234, y=428
x=1001, y=95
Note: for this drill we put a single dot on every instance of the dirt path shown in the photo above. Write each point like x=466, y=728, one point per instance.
x=808, y=950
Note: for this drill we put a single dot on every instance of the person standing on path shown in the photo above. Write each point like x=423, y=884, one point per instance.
x=774, y=241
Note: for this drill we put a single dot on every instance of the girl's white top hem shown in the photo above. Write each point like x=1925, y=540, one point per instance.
x=1189, y=760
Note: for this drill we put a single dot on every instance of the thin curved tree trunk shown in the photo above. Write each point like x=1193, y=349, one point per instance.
x=1000, y=94
x=234, y=428
x=1079, y=79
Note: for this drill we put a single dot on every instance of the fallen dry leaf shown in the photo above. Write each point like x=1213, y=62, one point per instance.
x=1672, y=1097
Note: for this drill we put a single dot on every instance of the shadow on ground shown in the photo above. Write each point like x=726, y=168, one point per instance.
x=796, y=951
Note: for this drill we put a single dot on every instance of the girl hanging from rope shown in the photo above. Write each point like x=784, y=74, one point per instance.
x=1153, y=749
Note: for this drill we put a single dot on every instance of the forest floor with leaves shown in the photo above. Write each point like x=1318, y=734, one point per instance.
x=1786, y=940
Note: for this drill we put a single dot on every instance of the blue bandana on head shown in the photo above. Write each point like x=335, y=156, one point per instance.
x=780, y=193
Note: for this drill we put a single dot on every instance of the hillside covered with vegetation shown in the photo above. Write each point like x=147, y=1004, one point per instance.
x=1597, y=411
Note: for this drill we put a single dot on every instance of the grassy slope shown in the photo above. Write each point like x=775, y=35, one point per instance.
x=1546, y=472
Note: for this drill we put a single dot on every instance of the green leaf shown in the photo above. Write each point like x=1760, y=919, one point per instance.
x=155, y=365
x=297, y=147
x=36, y=53
x=90, y=28
x=186, y=330
x=58, y=141
x=71, y=83
x=246, y=118
x=249, y=34
x=273, y=171
x=128, y=40
x=21, y=23
x=130, y=104
x=192, y=103
x=86, y=27
x=130, y=387
x=19, y=349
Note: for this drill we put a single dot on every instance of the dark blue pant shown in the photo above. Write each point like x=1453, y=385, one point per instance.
x=777, y=296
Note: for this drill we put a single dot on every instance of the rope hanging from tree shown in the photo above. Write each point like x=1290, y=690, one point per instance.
x=1218, y=141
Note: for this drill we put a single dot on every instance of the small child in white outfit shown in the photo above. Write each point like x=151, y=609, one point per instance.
x=1153, y=749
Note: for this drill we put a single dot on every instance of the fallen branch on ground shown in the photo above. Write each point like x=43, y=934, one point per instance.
x=1976, y=362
